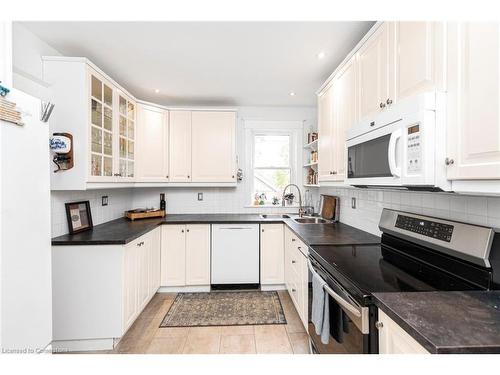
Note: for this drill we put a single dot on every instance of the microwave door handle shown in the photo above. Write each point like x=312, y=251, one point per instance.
x=392, y=153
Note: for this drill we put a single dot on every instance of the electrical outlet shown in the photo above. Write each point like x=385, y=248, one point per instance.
x=200, y=196
x=104, y=200
x=353, y=203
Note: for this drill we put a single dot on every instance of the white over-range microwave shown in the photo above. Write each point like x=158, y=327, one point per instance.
x=402, y=147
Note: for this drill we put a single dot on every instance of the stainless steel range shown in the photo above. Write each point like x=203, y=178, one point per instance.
x=416, y=253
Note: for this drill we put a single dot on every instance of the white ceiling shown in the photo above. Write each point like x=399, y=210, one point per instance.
x=210, y=63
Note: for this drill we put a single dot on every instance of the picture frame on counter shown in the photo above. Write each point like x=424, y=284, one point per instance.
x=79, y=216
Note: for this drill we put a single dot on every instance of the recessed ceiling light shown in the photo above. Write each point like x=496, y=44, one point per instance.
x=292, y=94
x=157, y=90
x=321, y=55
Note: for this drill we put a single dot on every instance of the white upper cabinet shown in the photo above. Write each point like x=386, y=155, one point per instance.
x=152, y=144
x=473, y=81
x=376, y=71
x=116, y=144
x=326, y=135
x=213, y=146
x=272, y=254
x=345, y=105
x=102, y=128
x=180, y=146
x=419, y=57
x=100, y=116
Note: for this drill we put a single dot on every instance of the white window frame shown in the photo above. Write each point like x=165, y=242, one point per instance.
x=293, y=129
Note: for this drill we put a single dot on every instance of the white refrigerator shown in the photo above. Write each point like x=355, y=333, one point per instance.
x=25, y=240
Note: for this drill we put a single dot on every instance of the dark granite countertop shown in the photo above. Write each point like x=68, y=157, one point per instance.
x=122, y=231
x=447, y=322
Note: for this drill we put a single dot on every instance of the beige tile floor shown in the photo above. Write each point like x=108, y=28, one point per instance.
x=145, y=336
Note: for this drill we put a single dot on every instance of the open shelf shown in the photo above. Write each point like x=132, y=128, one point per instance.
x=313, y=145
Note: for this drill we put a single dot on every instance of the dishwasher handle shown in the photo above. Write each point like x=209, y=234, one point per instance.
x=235, y=228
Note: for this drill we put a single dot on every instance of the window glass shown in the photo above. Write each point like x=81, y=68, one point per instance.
x=272, y=169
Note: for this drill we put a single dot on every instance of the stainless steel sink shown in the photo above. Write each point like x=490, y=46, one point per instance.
x=310, y=220
x=274, y=216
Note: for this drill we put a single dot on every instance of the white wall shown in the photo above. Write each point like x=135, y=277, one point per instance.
x=370, y=202
x=184, y=200
x=28, y=50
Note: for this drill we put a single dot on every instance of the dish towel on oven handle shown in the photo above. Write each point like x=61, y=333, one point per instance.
x=320, y=315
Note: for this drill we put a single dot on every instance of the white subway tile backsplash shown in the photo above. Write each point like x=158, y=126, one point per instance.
x=477, y=206
x=477, y=210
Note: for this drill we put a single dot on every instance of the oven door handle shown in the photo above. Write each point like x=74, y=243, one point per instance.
x=341, y=301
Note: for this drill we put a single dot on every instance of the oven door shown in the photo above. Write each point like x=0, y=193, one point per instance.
x=355, y=335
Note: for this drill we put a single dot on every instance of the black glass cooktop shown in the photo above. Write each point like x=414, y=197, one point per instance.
x=367, y=269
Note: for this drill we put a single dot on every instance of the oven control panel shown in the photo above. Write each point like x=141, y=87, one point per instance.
x=414, y=150
x=427, y=228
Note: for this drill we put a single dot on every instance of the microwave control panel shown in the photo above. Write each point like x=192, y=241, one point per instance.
x=414, y=150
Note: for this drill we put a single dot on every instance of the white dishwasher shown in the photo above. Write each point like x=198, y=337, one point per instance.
x=235, y=254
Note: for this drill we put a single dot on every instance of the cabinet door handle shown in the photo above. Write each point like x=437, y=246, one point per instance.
x=382, y=105
x=293, y=290
x=379, y=325
x=233, y=175
x=167, y=176
x=182, y=231
x=449, y=161
x=293, y=239
x=388, y=101
x=262, y=230
x=293, y=262
x=187, y=230
x=189, y=176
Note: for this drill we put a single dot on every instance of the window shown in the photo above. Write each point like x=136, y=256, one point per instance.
x=272, y=170
x=272, y=150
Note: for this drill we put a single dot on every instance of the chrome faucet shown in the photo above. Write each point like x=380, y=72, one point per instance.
x=301, y=209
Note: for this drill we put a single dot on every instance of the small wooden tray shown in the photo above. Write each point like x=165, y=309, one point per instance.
x=144, y=215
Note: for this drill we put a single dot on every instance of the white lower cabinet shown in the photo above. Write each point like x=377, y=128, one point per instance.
x=297, y=274
x=272, y=254
x=185, y=255
x=141, y=268
x=392, y=339
x=197, y=254
x=99, y=290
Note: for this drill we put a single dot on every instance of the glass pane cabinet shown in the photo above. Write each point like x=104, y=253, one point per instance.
x=127, y=137
x=112, y=131
x=101, y=124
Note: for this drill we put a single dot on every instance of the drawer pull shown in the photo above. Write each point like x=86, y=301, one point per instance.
x=294, y=290
x=293, y=239
x=293, y=262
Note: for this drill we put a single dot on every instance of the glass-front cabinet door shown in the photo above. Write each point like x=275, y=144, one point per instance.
x=101, y=128
x=126, y=121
